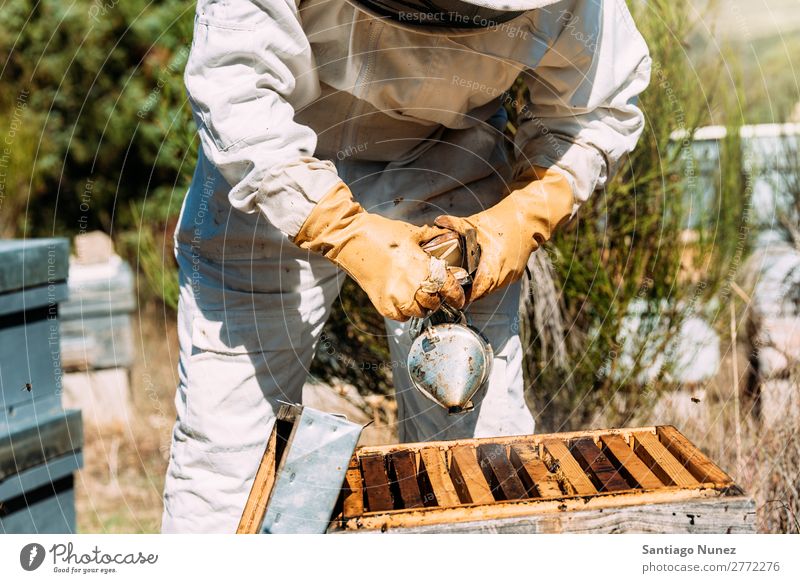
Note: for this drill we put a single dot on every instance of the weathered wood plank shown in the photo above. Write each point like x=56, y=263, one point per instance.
x=533, y=472
x=376, y=483
x=404, y=474
x=53, y=435
x=664, y=465
x=691, y=457
x=569, y=470
x=593, y=460
x=256, y=505
x=468, y=479
x=353, y=503
x=733, y=513
x=434, y=470
x=615, y=447
x=499, y=472
x=730, y=515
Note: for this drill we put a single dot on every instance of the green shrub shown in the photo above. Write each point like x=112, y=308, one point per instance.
x=106, y=121
x=629, y=249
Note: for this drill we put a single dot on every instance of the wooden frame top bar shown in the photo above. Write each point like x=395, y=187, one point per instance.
x=488, y=478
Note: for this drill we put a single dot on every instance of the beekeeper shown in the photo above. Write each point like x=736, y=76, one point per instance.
x=336, y=137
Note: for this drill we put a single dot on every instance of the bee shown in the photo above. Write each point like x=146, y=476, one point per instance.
x=28, y=387
x=695, y=400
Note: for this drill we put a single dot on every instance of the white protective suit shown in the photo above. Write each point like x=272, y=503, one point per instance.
x=291, y=97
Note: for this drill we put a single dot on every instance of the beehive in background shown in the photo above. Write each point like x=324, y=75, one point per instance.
x=40, y=441
x=647, y=479
x=97, y=331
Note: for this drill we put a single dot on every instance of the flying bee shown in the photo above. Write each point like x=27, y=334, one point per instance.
x=28, y=387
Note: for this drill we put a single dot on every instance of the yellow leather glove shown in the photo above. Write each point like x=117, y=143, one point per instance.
x=539, y=201
x=382, y=255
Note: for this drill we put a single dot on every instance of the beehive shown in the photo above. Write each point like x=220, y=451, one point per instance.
x=646, y=479
x=40, y=442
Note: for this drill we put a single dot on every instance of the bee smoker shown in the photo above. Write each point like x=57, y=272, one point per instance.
x=450, y=359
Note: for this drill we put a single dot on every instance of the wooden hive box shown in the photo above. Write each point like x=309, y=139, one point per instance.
x=40, y=442
x=646, y=479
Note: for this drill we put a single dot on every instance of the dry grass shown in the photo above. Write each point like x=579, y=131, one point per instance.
x=119, y=489
x=772, y=470
x=770, y=451
x=776, y=480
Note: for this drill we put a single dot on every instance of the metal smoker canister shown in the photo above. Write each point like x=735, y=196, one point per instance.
x=449, y=362
x=449, y=359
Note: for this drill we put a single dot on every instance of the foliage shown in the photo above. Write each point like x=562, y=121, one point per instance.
x=106, y=121
x=353, y=347
x=632, y=250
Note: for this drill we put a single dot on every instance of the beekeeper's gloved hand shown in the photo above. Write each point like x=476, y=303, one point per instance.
x=382, y=255
x=539, y=201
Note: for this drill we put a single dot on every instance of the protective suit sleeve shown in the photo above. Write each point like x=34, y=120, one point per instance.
x=582, y=117
x=249, y=69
